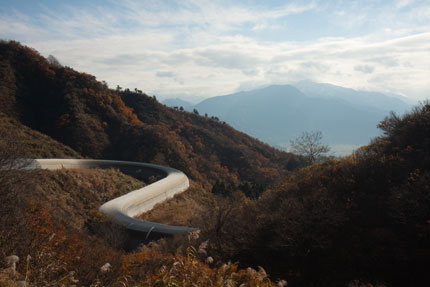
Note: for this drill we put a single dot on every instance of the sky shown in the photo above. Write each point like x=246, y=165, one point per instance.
x=196, y=49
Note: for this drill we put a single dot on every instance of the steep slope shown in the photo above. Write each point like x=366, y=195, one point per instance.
x=75, y=109
x=277, y=114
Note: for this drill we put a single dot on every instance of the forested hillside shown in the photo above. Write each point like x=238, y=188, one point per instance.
x=51, y=233
x=21, y=141
x=83, y=113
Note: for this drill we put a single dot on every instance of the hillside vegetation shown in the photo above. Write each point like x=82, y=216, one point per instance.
x=83, y=113
x=30, y=143
x=49, y=219
x=359, y=221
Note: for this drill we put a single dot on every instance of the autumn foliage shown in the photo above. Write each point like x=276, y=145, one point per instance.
x=62, y=248
x=363, y=220
x=51, y=218
x=83, y=113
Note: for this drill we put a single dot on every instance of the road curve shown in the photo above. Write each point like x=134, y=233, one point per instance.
x=123, y=209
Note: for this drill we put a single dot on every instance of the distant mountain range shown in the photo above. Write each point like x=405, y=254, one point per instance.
x=277, y=114
x=360, y=99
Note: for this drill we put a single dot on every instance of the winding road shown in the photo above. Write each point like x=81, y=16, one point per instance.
x=123, y=209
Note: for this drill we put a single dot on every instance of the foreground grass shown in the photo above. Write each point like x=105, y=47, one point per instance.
x=52, y=235
x=76, y=194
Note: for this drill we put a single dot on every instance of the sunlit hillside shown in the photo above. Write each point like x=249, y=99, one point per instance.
x=81, y=112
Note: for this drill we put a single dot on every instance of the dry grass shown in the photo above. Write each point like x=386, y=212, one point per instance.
x=75, y=195
x=182, y=209
x=52, y=229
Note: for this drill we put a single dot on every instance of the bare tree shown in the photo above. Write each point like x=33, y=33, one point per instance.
x=309, y=145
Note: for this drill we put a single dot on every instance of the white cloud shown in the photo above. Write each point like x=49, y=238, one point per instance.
x=403, y=3
x=231, y=62
x=206, y=48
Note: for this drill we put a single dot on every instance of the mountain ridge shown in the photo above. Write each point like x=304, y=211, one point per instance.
x=360, y=98
x=277, y=114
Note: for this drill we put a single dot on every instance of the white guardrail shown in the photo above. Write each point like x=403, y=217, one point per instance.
x=123, y=209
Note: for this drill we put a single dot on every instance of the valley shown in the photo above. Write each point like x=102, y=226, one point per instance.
x=277, y=114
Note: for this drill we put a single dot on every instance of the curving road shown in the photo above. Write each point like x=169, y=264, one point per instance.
x=123, y=209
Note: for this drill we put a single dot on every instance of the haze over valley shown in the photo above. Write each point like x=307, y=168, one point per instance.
x=278, y=114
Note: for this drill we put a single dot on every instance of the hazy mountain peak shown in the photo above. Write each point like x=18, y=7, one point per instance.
x=362, y=99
